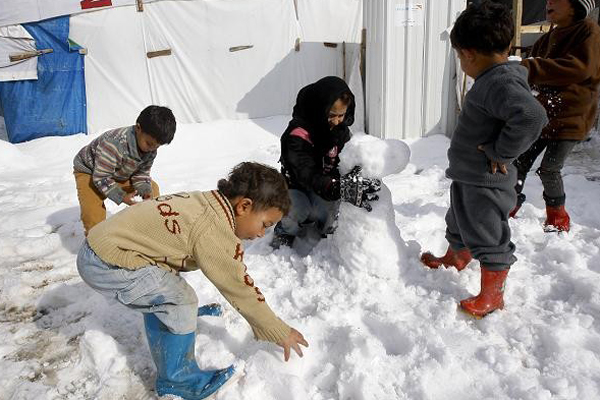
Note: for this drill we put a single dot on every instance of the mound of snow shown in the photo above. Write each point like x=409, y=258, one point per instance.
x=13, y=158
x=370, y=242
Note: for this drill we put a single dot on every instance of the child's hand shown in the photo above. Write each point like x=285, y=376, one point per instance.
x=147, y=196
x=495, y=165
x=128, y=198
x=293, y=339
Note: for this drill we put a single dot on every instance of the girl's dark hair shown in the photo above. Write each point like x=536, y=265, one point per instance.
x=486, y=27
x=264, y=185
x=345, y=98
x=158, y=122
x=580, y=11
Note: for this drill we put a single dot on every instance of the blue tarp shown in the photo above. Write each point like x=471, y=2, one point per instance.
x=54, y=104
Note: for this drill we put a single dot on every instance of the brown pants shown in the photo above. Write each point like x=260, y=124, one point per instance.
x=91, y=201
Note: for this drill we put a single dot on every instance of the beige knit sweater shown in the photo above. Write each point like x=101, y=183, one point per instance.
x=186, y=232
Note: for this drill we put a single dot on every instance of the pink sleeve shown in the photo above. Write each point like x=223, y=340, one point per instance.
x=301, y=133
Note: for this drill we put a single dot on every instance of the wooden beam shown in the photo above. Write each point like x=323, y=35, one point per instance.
x=536, y=28
x=518, y=18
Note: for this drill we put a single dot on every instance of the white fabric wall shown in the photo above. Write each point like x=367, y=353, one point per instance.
x=14, y=40
x=202, y=80
x=330, y=20
x=20, y=11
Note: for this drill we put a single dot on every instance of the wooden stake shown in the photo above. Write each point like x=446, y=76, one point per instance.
x=158, y=53
x=27, y=55
x=238, y=48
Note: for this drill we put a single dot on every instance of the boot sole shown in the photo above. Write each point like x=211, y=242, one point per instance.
x=475, y=315
x=234, y=378
x=552, y=228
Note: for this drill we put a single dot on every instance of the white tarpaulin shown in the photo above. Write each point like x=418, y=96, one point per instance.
x=214, y=59
x=15, y=40
x=14, y=12
x=331, y=20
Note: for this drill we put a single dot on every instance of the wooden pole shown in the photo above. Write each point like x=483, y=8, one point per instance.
x=344, y=59
x=518, y=18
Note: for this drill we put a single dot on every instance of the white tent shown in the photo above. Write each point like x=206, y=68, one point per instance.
x=207, y=59
x=224, y=59
x=213, y=59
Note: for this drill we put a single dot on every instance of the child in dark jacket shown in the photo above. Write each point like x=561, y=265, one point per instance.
x=116, y=165
x=500, y=118
x=310, y=148
x=564, y=69
x=136, y=258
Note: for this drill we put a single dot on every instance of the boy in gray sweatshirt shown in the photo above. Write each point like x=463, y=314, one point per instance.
x=500, y=119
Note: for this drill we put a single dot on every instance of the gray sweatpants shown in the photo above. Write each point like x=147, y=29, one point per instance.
x=478, y=219
x=556, y=152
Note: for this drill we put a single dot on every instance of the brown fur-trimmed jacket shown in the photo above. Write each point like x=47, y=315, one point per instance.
x=564, y=70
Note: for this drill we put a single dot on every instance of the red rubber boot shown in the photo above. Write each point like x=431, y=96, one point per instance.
x=557, y=219
x=520, y=200
x=457, y=259
x=491, y=296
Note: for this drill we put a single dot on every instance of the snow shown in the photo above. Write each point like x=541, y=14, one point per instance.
x=380, y=325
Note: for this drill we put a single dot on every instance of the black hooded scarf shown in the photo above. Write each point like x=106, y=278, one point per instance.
x=310, y=163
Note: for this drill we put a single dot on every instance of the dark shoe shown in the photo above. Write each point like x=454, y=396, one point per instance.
x=457, y=259
x=557, y=219
x=491, y=296
x=282, y=239
x=520, y=200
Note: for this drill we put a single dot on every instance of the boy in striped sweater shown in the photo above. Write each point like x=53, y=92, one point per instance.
x=116, y=165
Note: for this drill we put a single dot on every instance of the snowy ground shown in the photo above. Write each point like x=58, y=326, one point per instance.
x=372, y=335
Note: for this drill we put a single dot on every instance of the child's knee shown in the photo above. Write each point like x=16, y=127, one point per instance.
x=182, y=319
x=548, y=174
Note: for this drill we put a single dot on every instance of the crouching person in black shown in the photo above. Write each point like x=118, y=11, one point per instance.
x=310, y=148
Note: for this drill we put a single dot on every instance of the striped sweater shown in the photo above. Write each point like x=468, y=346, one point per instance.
x=114, y=157
x=186, y=232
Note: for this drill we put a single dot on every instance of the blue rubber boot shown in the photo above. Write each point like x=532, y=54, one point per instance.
x=211, y=310
x=177, y=371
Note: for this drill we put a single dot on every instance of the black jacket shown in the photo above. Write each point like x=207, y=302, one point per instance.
x=310, y=162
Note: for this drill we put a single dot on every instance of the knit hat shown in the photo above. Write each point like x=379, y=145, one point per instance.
x=588, y=5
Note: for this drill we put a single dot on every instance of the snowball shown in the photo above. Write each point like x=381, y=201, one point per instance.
x=377, y=157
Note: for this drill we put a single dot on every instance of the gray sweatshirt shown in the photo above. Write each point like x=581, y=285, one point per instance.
x=500, y=113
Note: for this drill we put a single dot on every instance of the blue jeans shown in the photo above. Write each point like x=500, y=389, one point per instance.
x=308, y=207
x=149, y=290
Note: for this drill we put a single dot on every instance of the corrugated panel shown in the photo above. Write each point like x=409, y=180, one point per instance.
x=410, y=67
